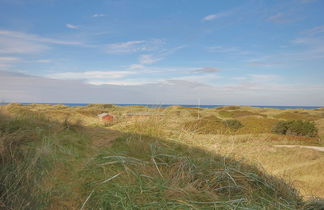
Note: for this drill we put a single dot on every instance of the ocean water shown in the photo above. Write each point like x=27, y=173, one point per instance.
x=184, y=105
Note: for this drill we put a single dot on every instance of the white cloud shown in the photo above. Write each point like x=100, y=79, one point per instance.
x=16, y=87
x=280, y=18
x=216, y=16
x=207, y=70
x=6, y=62
x=89, y=75
x=35, y=38
x=232, y=50
x=98, y=15
x=264, y=77
x=20, y=46
x=205, y=79
x=148, y=59
x=134, y=46
x=13, y=42
x=126, y=82
x=239, y=78
x=43, y=61
x=71, y=26
x=136, y=66
x=262, y=63
x=9, y=59
x=315, y=30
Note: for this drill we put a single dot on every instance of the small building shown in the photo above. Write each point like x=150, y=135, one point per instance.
x=106, y=117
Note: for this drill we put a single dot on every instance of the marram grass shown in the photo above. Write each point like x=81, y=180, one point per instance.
x=47, y=162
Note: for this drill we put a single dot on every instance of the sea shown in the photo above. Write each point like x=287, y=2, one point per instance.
x=184, y=105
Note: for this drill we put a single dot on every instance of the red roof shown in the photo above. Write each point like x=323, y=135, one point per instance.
x=108, y=118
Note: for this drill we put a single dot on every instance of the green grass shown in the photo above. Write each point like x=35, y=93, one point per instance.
x=141, y=172
x=47, y=164
x=30, y=147
x=296, y=115
x=237, y=113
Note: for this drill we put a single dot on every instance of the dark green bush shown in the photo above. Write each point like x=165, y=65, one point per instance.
x=233, y=124
x=296, y=128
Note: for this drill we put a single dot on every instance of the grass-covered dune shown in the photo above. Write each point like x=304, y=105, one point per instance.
x=57, y=157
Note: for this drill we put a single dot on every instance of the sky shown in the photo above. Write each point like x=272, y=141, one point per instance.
x=248, y=52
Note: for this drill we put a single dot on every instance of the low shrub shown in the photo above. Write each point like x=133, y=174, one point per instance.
x=233, y=124
x=296, y=128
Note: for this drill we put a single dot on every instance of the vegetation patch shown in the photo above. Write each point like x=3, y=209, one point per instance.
x=142, y=172
x=233, y=124
x=296, y=128
x=213, y=125
x=236, y=114
x=206, y=125
x=256, y=125
x=101, y=106
x=229, y=108
x=296, y=115
x=30, y=147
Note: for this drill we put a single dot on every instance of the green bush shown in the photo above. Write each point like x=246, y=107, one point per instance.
x=233, y=124
x=296, y=128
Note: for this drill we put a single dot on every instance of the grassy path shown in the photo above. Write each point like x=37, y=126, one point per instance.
x=67, y=178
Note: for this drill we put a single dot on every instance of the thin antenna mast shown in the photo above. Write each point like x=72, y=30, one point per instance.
x=198, y=108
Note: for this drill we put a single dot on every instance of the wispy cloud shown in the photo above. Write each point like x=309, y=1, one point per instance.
x=71, y=26
x=164, y=91
x=148, y=59
x=89, y=75
x=9, y=59
x=279, y=18
x=136, y=66
x=262, y=63
x=7, y=62
x=35, y=38
x=134, y=46
x=207, y=70
x=43, y=61
x=314, y=31
x=98, y=15
x=222, y=49
x=216, y=16
x=13, y=42
x=9, y=45
x=264, y=77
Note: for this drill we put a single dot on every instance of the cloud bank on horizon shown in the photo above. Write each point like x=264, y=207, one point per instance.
x=253, y=52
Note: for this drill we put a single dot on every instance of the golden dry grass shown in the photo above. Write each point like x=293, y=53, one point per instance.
x=252, y=144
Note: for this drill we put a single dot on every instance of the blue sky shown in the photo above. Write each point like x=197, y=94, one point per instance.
x=260, y=52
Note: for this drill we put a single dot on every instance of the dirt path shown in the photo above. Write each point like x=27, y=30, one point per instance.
x=321, y=149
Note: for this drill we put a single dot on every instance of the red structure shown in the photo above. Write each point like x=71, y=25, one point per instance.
x=108, y=118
